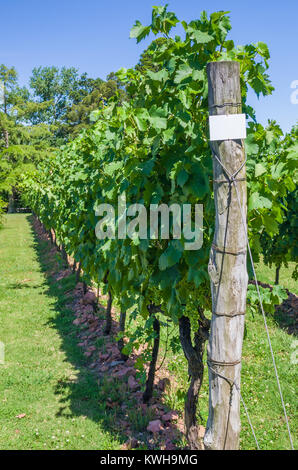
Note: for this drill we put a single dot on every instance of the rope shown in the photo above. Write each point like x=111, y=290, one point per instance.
x=223, y=250
x=230, y=315
x=225, y=181
x=231, y=178
x=222, y=363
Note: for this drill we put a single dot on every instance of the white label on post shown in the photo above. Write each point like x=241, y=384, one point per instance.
x=227, y=127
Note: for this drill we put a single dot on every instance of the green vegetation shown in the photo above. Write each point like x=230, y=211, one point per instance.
x=147, y=140
x=286, y=280
x=154, y=147
x=36, y=121
x=68, y=99
x=44, y=374
x=280, y=248
x=22, y=144
x=258, y=385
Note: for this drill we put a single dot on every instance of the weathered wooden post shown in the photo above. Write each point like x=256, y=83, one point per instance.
x=227, y=267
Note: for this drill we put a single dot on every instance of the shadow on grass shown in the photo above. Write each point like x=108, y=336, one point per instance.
x=23, y=285
x=285, y=314
x=80, y=393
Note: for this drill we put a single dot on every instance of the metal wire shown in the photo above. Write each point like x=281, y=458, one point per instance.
x=231, y=178
x=232, y=384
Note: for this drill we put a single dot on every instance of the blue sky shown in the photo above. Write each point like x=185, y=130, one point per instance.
x=93, y=36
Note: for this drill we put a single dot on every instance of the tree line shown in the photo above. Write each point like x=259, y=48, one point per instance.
x=36, y=120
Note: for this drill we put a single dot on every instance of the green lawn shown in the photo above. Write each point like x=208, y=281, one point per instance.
x=267, y=275
x=44, y=374
x=259, y=387
x=258, y=384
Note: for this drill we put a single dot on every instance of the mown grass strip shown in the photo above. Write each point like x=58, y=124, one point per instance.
x=44, y=376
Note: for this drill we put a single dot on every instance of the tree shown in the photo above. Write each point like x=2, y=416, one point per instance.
x=88, y=99
x=22, y=145
x=56, y=86
x=70, y=97
x=8, y=79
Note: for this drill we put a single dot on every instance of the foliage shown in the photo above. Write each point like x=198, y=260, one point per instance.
x=45, y=374
x=68, y=99
x=32, y=126
x=55, y=86
x=97, y=95
x=48, y=378
x=22, y=144
x=154, y=148
x=2, y=206
x=270, y=298
x=279, y=244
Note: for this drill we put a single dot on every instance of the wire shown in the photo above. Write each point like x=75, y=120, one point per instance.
x=231, y=178
x=233, y=383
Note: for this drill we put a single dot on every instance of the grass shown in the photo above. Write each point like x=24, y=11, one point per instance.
x=267, y=275
x=259, y=387
x=44, y=374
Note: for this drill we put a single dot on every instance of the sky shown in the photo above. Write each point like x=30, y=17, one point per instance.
x=93, y=36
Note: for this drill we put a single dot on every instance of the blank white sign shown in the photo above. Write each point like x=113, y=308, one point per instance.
x=227, y=127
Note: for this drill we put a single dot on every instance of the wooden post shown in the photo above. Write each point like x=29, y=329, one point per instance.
x=227, y=268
